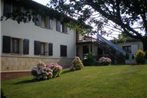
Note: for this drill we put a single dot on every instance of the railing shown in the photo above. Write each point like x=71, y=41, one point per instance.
x=100, y=38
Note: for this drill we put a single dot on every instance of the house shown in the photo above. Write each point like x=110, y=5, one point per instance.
x=99, y=47
x=48, y=39
x=130, y=46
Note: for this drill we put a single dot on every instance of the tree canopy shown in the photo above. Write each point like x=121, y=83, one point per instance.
x=130, y=15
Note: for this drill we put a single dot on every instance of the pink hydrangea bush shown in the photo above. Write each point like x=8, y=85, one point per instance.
x=56, y=69
x=104, y=61
x=77, y=64
x=43, y=71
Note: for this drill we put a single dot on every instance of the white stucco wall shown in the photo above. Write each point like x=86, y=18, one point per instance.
x=134, y=46
x=30, y=31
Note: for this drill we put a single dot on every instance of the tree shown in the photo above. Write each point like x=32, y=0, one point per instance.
x=130, y=15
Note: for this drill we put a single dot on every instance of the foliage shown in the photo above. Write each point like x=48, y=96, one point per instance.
x=43, y=72
x=56, y=69
x=127, y=56
x=140, y=57
x=124, y=13
x=104, y=61
x=77, y=64
x=88, y=60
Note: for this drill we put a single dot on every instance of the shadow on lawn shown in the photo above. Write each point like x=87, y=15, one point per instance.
x=27, y=81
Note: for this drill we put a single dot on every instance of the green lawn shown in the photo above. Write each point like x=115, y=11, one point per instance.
x=91, y=82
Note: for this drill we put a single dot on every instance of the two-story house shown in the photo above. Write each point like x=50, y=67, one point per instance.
x=48, y=39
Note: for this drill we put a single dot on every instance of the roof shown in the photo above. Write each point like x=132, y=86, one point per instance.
x=44, y=10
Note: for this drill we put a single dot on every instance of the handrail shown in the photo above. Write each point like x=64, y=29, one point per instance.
x=100, y=38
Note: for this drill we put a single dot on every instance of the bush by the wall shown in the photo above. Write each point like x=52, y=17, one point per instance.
x=89, y=60
x=77, y=64
x=56, y=69
x=40, y=72
x=104, y=61
x=140, y=57
x=43, y=72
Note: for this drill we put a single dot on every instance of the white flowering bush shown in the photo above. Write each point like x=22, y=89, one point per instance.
x=77, y=64
x=43, y=71
x=104, y=61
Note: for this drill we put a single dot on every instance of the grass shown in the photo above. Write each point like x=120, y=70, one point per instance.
x=91, y=82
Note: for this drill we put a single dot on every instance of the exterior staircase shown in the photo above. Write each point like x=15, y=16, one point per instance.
x=113, y=51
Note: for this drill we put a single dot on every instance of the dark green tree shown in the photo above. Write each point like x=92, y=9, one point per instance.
x=130, y=15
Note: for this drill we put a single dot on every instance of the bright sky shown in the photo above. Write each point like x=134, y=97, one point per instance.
x=44, y=2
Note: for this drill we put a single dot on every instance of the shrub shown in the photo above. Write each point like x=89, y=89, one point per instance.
x=40, y=72
x=56, y=69
x=77, y=64
x=104, y=61
x=88, y=60
x=43, y=72
x=140, y=57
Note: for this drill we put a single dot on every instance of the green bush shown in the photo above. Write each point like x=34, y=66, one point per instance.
x=89, y=60
x=77, y=64
x=140, y=57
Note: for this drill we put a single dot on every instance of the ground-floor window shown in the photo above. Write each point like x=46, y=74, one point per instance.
x=63, y=50
x=15, y=45
x=43, y=48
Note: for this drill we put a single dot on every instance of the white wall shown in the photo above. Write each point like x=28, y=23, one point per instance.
x=32, y=32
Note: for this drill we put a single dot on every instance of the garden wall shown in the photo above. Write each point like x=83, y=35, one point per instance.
x=16, y=66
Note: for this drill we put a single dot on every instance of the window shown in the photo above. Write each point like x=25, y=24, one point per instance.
x=15, y=45
x=58, y=26
x=64, y=28
x=50, y=47
x=63, y=50
x=43, y=21
x=40, y=48
x=8, y=7
x=127, y=48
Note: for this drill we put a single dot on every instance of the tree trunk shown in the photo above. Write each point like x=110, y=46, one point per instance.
x=144, y=42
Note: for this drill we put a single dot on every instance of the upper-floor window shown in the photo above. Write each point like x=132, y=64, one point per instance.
x=64, y=28
x=127, y=48
x=15, y=45
x=58, y=26
x=8, y=7
x=44, y=22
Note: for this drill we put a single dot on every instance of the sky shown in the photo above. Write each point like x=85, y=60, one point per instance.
x=44, y=2
x=115, y=34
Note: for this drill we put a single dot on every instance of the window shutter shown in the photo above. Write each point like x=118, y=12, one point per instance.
x=25, y=46
x=63, y=50
x=37, y=48
x=6, y=44
x=50, y=47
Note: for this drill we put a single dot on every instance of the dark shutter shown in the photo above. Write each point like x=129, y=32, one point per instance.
x=25, y=46
x=50, y=47
x=37, y=49
x=63, y=50
x=6, y=44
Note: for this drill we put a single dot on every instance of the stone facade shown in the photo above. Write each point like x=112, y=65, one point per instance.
x=22, y=63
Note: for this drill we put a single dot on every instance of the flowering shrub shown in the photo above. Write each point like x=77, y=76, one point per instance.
x=140, y=57
x=43, y=72
x=56, y=68
x=77, y=64
x=104, y=61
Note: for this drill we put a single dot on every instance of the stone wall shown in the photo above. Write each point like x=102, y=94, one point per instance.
x=21, y=63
